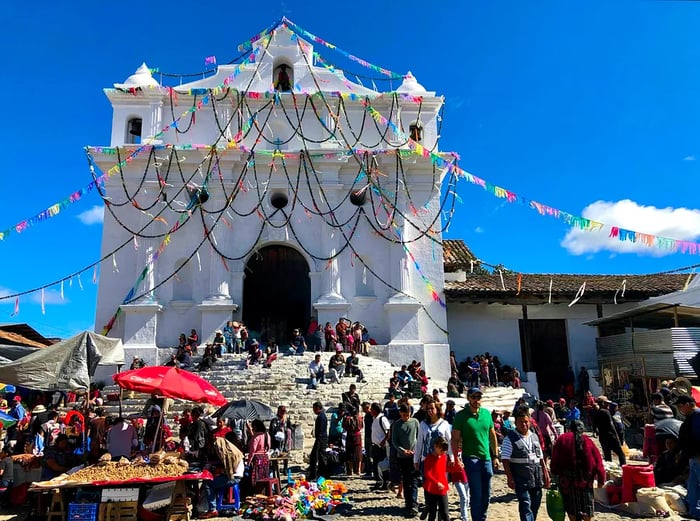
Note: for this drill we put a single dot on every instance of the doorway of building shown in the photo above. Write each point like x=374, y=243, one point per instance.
x=276, y=293
x=546, y=352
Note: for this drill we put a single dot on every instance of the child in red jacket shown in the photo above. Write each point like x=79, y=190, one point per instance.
x=435, y=482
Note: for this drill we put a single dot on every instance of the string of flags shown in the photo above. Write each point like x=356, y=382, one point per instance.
x=447, y=162
x=575, y=221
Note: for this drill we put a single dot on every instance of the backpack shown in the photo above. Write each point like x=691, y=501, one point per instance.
x=433, y=434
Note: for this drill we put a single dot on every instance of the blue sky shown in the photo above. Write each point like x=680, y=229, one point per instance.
x=590, y=107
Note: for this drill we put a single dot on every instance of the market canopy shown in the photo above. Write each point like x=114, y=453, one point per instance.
x=170, y=382
x=245, y=409
x=66, y=365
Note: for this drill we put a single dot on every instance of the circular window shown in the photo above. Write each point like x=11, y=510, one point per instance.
x=279, y=200
x=359, y=197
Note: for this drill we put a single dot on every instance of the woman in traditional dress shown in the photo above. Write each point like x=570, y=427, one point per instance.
x=577, y=463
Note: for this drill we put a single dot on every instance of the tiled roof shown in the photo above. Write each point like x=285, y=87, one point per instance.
x=599, y=288
x=22, y=335
x=456, y=255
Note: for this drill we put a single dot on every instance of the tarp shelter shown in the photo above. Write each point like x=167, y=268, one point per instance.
x=64, y=366
x=11, y=353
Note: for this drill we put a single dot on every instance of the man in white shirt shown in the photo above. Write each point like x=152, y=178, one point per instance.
x=380, y=435
x=317, y=372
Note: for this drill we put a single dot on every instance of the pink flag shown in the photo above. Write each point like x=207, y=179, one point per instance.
x=210, y=59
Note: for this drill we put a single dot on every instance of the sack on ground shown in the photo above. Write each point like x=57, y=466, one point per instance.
x=654, y=497
x=675, y=501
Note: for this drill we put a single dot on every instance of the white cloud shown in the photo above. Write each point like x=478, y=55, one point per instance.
x=4, y=292
x=689, y=158
x=478, y=229
x=94, y=215
x=51, y=296
x=672, y=223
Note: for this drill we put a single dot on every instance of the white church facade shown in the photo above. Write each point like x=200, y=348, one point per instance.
x=270, y=191
x=276, y=188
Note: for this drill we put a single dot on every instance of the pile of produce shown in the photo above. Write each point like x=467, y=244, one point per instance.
x=160, y=466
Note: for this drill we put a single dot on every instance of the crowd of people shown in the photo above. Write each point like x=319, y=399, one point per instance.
x=435, y=445
x=235, y=338
x=61, y=441
x=401, y=446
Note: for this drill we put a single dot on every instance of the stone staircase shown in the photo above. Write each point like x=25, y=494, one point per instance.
x=286, y=383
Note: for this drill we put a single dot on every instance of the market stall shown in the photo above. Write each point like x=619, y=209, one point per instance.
x=122, y=489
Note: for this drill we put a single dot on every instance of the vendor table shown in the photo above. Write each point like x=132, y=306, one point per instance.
x=117, y=510
x=275, y=466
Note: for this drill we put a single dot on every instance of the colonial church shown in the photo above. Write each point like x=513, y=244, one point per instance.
x=275, y=189
x=282, y=186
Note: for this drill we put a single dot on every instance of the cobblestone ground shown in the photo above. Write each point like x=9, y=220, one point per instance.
x=384, y=506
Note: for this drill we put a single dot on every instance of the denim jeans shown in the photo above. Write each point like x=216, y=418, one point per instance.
x=529, y=500
x=693, y=497
x=463, y=492
x=315, y=379
x=479, y=474
x=212, y=488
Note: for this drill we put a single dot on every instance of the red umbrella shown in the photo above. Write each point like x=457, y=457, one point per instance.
x=171, y=382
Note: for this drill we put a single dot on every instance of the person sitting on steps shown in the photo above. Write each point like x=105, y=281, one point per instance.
x=298, y=343
x=352, y=367
x=317, y=372
x=336, y=365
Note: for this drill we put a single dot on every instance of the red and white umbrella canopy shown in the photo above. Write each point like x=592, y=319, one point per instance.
x=171, y=382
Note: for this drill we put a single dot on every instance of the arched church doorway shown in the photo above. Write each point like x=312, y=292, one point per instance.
x=276, y=293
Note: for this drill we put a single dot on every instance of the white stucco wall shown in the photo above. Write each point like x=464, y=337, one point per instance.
x=399, y=282
x=476, y=328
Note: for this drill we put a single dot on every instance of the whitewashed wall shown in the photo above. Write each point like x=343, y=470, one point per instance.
x=476, y=328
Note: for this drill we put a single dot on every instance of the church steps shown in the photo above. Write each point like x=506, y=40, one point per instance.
x=286, y=383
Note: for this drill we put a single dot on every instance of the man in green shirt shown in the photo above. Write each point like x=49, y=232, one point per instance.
x=404, y=433
x=474, y=435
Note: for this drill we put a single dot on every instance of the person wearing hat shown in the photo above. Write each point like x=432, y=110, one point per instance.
x=689, y=440
x=218, y=343
x=254, y=352
x=604, y=426
x=474, y=436
x=39, y=415
x=560, y=409
x=137, y=363
x=18, y=412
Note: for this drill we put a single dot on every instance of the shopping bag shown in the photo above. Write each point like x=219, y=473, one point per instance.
x=555, y=504
x=455, y=473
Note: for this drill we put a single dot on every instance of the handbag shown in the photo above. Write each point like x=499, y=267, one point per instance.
x=455, y=473
x=555, y=503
